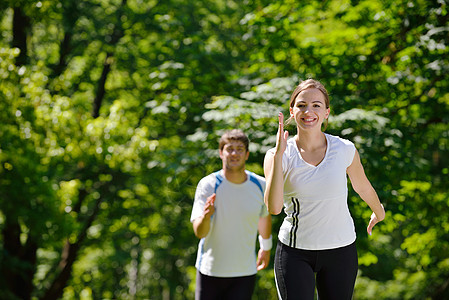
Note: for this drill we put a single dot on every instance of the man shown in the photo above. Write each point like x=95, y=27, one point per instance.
x=227, y=213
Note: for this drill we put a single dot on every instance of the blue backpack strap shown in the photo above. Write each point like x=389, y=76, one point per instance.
x=218, y=181
x=253, y=178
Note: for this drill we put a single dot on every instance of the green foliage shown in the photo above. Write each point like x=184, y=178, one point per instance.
x=111, y=114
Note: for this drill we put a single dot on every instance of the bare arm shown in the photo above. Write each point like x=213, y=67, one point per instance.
x=274, y=192
x=201, y=225
x=363, y=187
x=264, y=227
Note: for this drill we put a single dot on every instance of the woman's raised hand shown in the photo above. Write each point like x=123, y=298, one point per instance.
x=281, y=137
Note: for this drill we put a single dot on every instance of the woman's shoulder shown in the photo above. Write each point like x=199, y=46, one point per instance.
x=341, y=146
x=339, y=140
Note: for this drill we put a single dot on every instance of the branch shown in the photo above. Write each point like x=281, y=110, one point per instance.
x=101, y=91
x=69, y=256
x=117, y=34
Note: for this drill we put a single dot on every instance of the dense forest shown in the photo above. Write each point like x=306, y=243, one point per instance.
x=111, y=110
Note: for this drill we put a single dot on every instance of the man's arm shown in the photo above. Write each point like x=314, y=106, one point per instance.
x=264, y=227
x=201, y=225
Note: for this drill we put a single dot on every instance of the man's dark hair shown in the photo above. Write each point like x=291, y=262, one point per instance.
x=233, y=135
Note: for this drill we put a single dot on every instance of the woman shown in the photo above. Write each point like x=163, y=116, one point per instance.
x=307, y=176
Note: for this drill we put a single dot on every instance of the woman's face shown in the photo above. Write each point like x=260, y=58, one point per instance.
x=309, y=110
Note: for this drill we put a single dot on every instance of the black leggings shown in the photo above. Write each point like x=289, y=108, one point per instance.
x=229, y=288
x=335, y=269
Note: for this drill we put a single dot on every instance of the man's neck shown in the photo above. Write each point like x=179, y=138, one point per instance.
x=235, y=176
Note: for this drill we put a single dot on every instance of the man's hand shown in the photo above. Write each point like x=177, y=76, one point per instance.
x=201, y=225
x=209, y=207
x=263, y=259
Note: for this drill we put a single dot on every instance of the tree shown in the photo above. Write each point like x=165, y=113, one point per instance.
x=111, y=110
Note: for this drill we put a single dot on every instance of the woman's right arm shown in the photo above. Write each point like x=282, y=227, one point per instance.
x=274, y=193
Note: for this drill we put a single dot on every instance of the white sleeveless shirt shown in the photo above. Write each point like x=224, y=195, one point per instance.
x=315, y=198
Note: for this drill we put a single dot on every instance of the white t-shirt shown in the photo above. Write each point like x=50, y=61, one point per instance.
x=229, y=249
x=315, y=198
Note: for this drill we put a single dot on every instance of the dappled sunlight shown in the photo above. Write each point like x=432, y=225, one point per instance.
x=111, y=112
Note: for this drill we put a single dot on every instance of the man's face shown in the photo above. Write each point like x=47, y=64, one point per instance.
x=234, y=155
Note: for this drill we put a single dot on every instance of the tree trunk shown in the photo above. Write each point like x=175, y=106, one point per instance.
x=20, y=260
x=64, y=50
x=20, y=27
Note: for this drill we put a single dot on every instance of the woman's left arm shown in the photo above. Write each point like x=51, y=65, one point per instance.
x=363, y=187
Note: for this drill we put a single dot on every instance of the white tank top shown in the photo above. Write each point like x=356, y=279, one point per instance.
x=315, y=198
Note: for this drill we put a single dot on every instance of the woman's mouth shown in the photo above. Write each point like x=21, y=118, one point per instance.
x=308, y=119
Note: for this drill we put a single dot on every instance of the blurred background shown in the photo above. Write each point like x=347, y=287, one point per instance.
x=111, y=110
